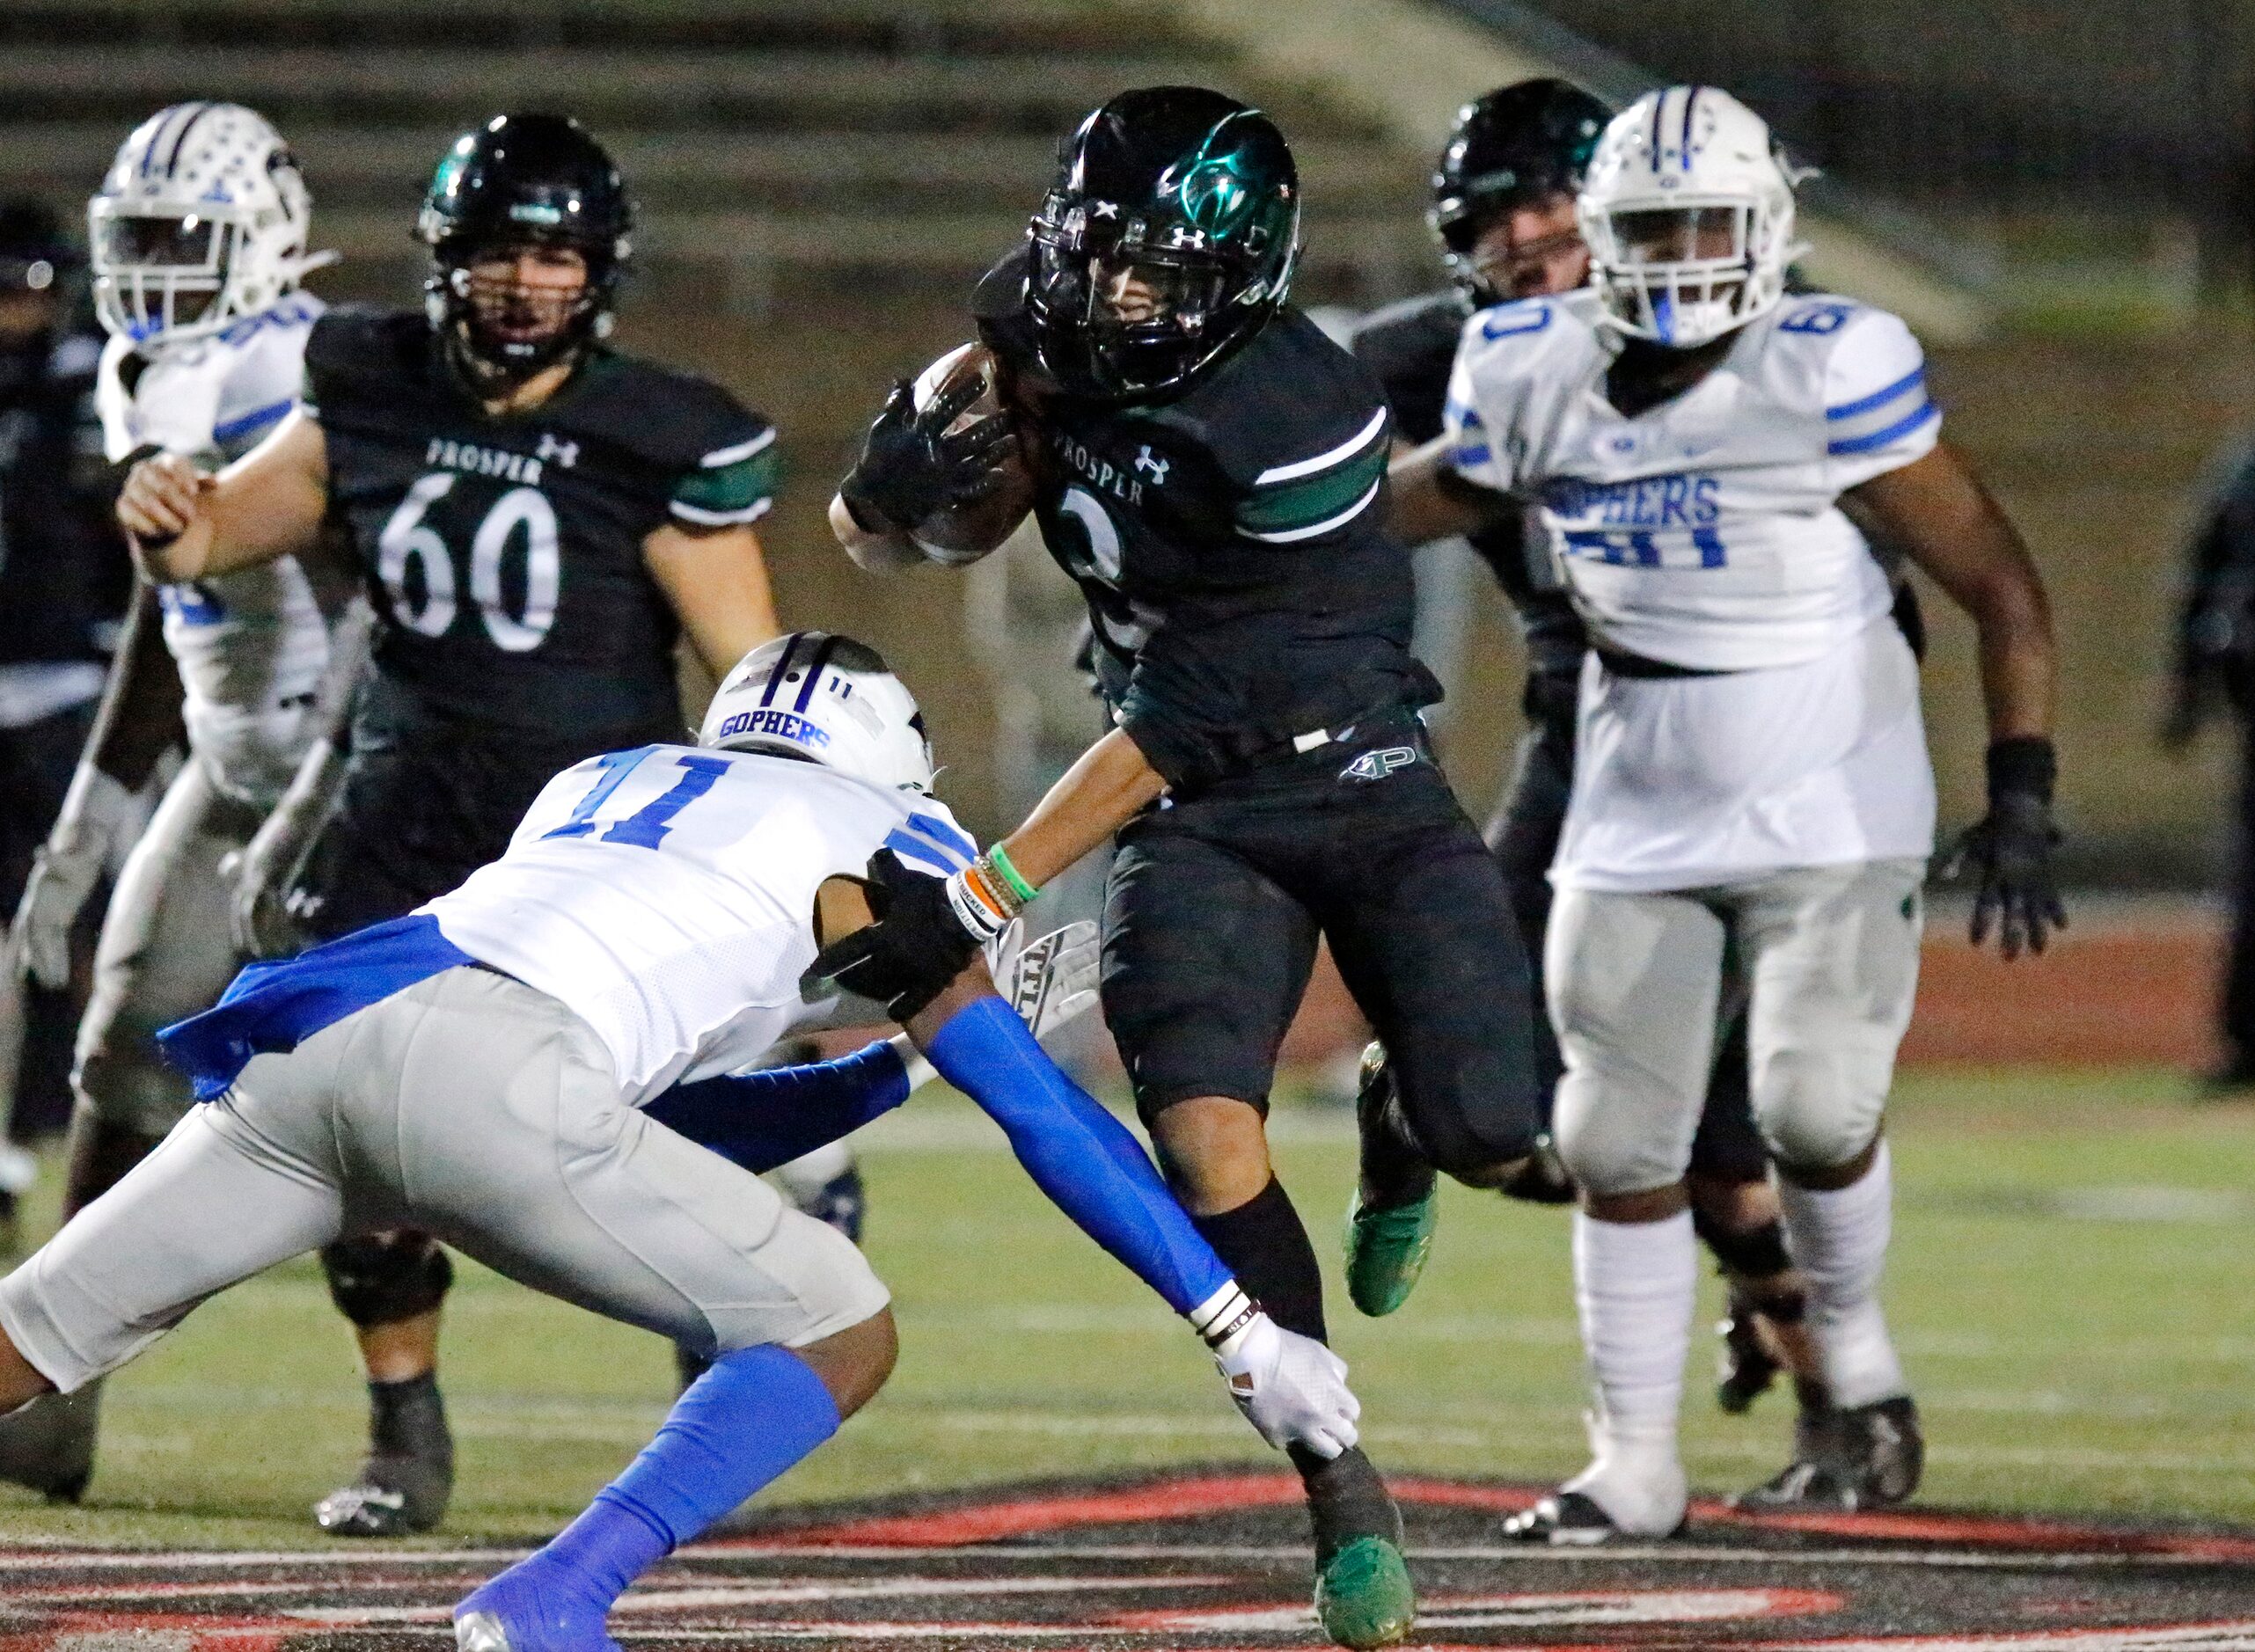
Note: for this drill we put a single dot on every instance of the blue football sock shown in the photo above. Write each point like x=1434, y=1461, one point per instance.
x=750, y=1416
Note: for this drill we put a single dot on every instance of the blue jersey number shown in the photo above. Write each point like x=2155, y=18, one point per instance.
x=1644, y=550
x=1817, y=319
x=649, y=823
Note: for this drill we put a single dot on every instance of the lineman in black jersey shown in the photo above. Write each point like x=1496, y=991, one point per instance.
x=1209, y=468
x=537, y=520
x=1504, y=212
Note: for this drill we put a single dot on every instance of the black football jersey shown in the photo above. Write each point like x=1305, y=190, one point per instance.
x=1411, y=346
x=504, y=553
x=64, y=577
x=1229, y=543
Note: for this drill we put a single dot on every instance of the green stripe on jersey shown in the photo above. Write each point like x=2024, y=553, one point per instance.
x=1311, y=500
x=730, y=490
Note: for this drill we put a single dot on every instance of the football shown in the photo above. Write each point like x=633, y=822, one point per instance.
x=958, y=537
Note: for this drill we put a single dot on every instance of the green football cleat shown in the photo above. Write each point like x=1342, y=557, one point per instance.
x=1387, y=1250
x=1363, y=1597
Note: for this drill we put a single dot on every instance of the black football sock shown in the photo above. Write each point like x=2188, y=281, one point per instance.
x=1346, y=1500
x=1263, y=1243
x=408, y=1419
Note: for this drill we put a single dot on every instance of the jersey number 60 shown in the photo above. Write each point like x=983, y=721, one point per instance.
x=408, y=539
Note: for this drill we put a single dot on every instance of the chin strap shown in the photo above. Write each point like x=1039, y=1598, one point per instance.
x=488, y=378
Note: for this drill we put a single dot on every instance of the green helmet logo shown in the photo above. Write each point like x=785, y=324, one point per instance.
x=1217, y=191
x=451, y=165
x=1214, y=196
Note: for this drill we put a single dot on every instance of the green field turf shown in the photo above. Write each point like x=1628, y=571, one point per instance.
x=2072, y=1287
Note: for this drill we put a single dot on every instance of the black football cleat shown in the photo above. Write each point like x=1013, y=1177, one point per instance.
x=405, y=1485
x=49, y=1445
x=1866, y=1457
x=1567, y=1519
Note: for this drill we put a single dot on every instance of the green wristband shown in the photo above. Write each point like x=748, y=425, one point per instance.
x=1000, y=862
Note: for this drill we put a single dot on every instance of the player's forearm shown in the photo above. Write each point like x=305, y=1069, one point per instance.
x=878, y=550
x=716, y=584
x=2019, y=662
x=140, y=716
x=1427, y=501
x=172, y=561
x=761, y=1120
x=1112, y=783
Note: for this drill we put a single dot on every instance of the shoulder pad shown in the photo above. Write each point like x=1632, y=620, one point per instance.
x=1001, y=291
x=676, y=418
x=1519, y=318
x=1816, y=314
x=1301, y=426
x=361, y=340
x=1409, y=346
x=717, y=458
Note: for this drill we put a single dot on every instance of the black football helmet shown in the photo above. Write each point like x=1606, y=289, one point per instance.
x=518, y=179
x=1518, y=145
x=1194, y=198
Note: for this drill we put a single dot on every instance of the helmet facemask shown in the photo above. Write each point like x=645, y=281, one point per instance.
x=1492, y=268
x=1689, y=213
x=158, y=275
x=505, y=329
x=1682, y=272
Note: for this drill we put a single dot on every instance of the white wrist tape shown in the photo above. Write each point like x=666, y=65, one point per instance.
x=1222, y=1318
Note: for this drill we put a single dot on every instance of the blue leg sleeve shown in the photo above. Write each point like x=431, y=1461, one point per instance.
x=761, y=1120
x=1077, y=1153
x=753, y=1414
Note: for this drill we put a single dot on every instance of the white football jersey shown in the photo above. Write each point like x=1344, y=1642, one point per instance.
x=252, y=644
x=666, y=896
x=1706, y=531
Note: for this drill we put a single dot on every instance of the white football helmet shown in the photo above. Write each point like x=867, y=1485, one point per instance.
x=829, y=700
x=1688, y=210
x=200, y=222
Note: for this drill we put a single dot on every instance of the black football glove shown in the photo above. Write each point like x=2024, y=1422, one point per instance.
x=909, y=955
x=910, y=467
x=2010, y=851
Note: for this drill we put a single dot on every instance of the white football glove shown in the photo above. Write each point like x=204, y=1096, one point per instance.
x=1050, y=981
x=1291, y=1388
x=97, y=817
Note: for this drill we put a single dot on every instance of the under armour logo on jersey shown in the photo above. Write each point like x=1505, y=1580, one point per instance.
x=1158, y=467
x=564, y=453
x=1376, y=766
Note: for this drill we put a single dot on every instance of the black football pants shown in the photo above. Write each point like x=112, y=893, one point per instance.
x=1216, y=906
